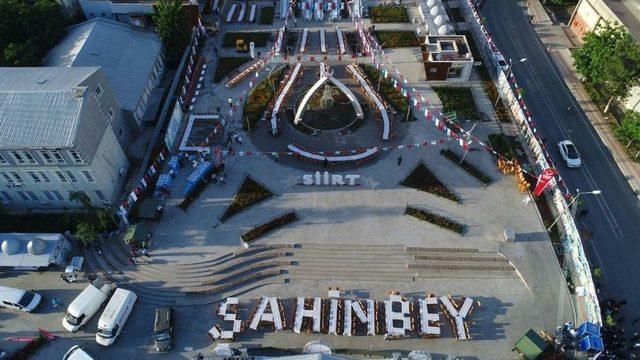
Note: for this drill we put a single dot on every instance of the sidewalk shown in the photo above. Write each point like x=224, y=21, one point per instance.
x=558, y=44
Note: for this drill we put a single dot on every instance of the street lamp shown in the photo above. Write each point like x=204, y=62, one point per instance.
x=509, y=73
x=574, y=204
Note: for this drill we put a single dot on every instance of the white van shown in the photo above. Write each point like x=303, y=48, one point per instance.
x=114, y=316
x=18, y=299
x=85, y=305
x=77, y=353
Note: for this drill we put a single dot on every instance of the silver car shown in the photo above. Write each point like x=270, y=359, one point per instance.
x=569, y=154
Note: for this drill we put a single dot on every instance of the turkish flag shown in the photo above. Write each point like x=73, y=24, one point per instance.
x=543, y=180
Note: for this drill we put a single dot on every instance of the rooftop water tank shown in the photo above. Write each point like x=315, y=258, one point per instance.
x=11, y=246
x=439, y=20
x=36, y=247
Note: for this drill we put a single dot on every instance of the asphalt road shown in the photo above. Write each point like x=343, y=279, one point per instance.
x=614, y=216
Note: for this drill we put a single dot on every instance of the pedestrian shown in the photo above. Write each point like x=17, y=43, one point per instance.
x=145, y=253
x=240, y=140
x=131, y=260
x=172, y=173
x=55, y=302
x=230, y=101
x=399, y=160
x=325, y=162
x=213, y=178
x=221, y=179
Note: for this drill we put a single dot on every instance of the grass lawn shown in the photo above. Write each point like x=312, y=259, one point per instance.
x=259, y=98
x=396, y=39
x=249, y=194
x=266, y=15
x=435, y=219
x=457, y=99
x=259, y=38
x=227, y=64
x=422, y=179
x=388, y=14
x=388, y=92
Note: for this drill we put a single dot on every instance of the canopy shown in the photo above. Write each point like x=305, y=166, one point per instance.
x=148, y=208
x=531, y=345
x=588, y=328
x=591, y=343
x=137, y=233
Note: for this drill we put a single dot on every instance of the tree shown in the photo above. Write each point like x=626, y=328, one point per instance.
x=28, y=29
x=629, y=129
x=86, y=233
x=610, y=59
x=82, y=198
x=172, y=27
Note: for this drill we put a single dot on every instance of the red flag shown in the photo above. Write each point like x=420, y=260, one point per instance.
x=543, y=180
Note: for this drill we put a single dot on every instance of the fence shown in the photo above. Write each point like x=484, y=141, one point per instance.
x=509, y=92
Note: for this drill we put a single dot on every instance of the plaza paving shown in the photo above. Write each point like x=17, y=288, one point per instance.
x=351, y=237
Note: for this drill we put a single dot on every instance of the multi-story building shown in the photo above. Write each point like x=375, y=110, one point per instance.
x=590, y=14
x=447, y=57
x=61, y=133
x=134, y=12
x=130, y=57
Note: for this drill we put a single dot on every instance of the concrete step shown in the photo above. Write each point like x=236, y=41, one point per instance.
x=220, y=279
x=473, y=266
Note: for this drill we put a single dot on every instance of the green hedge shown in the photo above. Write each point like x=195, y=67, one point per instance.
x=388, y=92
x=226, y=64
x=388, y=14
x=464, y=165
x=266, y=15
x=259, y=38
x=500, y=143
x=269, y=226
x=395, y=39
x=249, y=194
x=422, y=179
x=438, y=220
x=457, y=99
x=260, y=98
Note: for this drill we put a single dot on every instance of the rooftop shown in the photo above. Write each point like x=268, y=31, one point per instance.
x=448, y=48
x=126, y=54
x=40, y=107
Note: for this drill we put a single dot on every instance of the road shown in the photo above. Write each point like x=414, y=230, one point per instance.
x=614, y=216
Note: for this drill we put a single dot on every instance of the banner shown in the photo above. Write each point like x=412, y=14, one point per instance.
x=543, y=180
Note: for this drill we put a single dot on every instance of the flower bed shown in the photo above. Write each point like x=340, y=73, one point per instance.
x=500, y=144
x=263, y=229
x=249, y=194
x=396, y=39
x=388, y=14
x=437, y=220
x=464, y=165
x=422, y=179
x=457, y=99
x=388, y=92
x=226, y=64
x=259, y=38
x=260, y=98
x=266, y=15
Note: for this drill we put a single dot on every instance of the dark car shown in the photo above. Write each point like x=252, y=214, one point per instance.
x=163, y=329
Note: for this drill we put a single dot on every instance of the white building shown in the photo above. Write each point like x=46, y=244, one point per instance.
x=61, y=133
x=134, y=12
x=33, y=250
x=130, y=57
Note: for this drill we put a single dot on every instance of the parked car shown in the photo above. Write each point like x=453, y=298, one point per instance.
x=163, y=329
x=85, y=305
x=114, y=316
x=18, y=299
x=77, y=353
x=569, y=153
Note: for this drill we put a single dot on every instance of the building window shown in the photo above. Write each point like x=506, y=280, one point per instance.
x=17, y=176
x=29, y=158
x=112, y=115
x=34, y=177
x=77, y=159
x=33, y=196
x=98, y=90
x=61, y=176
x=22, y=195
x=71, y=176
x=46, y=157
x=48, y=195
x=56, y=155
x=44, y=176
x=89, y=176
x=7, y=178
x=100, y=195
x=6, y=196
x=57, y=195
x=3, y=161
x=18, y=158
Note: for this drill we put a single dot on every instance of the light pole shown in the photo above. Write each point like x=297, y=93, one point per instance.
x=509, y=73
x=574, y=205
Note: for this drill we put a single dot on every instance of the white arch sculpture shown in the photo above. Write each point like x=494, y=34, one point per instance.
x=326, y=76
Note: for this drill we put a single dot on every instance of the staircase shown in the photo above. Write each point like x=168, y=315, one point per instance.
x=210, y=280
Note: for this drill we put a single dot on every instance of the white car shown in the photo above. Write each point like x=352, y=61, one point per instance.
x=77, y=353
x=569, y=153
x=19, y=299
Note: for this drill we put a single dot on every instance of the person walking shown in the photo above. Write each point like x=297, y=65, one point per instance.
x=221, y=179
x=399, y=160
